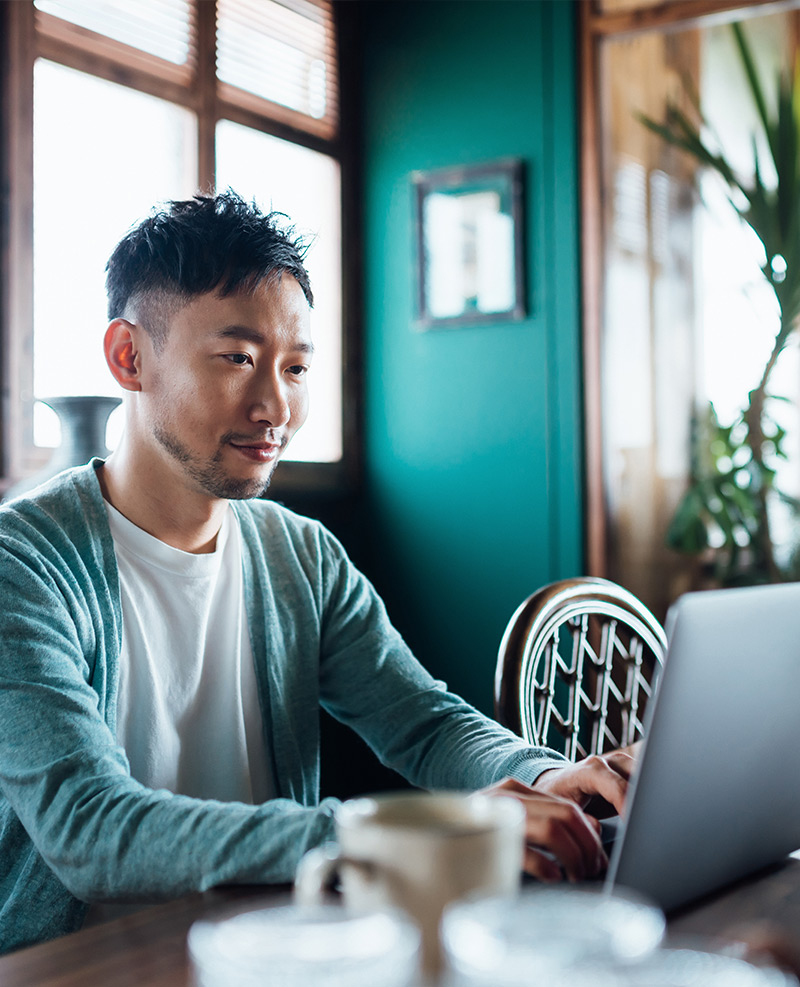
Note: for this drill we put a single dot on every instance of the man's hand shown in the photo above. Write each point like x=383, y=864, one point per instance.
x=558, y=827
x=606, y=776
x=554, y=818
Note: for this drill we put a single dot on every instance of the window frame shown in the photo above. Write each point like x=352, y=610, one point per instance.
x=30, y=34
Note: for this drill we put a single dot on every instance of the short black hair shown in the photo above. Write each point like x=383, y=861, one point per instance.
x=191, y=247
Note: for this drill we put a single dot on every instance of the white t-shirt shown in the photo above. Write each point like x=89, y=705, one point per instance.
x=188, y=713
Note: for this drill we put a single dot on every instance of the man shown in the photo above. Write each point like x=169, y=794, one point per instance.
x=166, y=639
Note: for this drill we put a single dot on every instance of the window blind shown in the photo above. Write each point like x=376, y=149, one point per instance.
x=282, y=51
x=164, y=28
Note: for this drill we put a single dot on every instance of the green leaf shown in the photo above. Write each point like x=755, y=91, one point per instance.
x=752, y=78
x=687, y=531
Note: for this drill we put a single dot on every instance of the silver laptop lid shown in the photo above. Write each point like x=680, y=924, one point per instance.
x=717, y=791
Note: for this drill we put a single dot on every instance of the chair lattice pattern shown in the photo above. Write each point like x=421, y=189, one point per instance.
x=593, y=697
x=583, y=668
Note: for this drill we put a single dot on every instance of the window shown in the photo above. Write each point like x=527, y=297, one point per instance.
x=115, y=106
x=676, y=314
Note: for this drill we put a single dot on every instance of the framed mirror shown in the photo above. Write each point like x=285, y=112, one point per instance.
x=469, y=245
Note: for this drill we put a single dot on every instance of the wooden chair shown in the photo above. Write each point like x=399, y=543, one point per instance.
x=577, y=664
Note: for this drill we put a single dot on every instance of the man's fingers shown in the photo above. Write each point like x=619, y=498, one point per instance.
x=566, y=832
x=508, y=786
x=555, y=821
x=541, y=867
x=621, y=761
x=561, y=828
x=611, y=782
x=579, y=782
x=633, y=750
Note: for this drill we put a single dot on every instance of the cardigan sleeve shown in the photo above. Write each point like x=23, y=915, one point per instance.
x=370, y=680
x=105, y=836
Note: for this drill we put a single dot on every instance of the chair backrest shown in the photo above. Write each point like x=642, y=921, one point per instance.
x=576, y=666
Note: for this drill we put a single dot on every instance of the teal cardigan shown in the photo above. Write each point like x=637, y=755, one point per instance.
x=76, y=828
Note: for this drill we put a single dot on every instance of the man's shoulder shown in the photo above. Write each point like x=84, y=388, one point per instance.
x=64, y=490
x=70, y=502
x=275, y=527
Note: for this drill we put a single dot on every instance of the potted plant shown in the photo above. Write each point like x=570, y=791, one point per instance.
x=733, y=469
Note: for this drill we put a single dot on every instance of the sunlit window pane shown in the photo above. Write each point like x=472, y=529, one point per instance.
x=159, y=27
x=305, y=185
x=103, y=155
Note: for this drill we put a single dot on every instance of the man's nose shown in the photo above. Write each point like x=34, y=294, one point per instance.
x=271, y=404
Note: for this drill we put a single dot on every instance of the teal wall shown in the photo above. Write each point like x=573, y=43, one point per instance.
x=473, y=437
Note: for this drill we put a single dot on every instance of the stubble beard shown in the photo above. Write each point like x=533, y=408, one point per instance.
x=209, y=474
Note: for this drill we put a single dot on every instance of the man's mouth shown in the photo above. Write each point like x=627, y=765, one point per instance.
x=258, y=452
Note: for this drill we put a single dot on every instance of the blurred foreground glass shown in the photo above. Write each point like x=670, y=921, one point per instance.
x=691, y=968
x=547, y=932
x=326, y=946
x=675, y=968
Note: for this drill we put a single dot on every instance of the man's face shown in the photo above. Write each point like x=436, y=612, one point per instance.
x=227, y=390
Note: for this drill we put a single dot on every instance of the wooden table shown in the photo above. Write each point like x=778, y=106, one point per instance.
x=148, y=948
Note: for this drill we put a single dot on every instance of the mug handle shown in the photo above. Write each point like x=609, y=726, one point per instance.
x=318, y=870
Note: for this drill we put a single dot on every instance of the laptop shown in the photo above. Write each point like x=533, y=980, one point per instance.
x=716, y=795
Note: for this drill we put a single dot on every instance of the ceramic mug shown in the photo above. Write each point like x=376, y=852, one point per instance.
x=419, y=851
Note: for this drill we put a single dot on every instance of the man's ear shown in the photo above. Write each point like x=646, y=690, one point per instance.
x=122, y=353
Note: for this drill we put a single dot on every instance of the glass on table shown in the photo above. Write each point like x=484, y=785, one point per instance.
x=544, y=932
x=684, y=968
x=292, y=946
x=564, y=937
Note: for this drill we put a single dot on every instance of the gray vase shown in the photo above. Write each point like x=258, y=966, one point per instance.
x=83, y=435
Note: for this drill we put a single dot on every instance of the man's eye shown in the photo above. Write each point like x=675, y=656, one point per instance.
x=238, y=358
x=298, y=370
